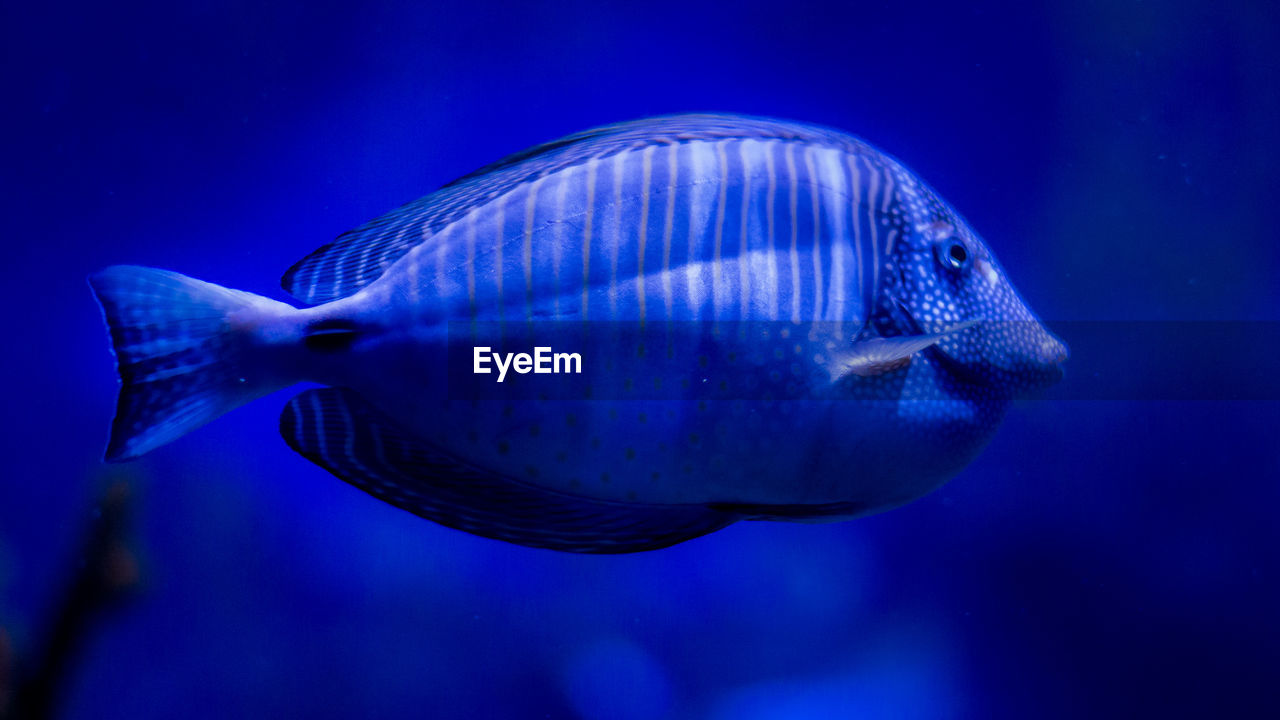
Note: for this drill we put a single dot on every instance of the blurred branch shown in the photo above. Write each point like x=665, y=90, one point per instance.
x=106, y=573
x=6, y=673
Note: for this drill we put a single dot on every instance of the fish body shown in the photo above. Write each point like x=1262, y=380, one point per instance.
x=772, y=321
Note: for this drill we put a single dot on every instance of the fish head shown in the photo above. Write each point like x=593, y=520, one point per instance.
x=949, y=282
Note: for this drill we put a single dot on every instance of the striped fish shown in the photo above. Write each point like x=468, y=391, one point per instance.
x=770, y=320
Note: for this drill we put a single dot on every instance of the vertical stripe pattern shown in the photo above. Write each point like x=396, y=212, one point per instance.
x=732, y=229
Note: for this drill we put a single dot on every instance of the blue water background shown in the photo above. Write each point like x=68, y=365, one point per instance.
x=1104, y=557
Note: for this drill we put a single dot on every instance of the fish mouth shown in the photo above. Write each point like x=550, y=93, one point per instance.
x=1053, y=351
x=1035, y=360
x=1048, y=364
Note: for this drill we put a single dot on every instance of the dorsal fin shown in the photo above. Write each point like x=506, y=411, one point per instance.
x=341, y=432
x=358, y=257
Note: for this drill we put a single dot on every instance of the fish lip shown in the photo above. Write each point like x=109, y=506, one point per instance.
x=1056, y=352
x=1053, y=363
x=1047, y=363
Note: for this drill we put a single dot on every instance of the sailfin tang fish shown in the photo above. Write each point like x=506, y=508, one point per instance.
x=771, y=320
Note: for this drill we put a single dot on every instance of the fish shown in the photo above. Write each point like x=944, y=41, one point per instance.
x=772, y=320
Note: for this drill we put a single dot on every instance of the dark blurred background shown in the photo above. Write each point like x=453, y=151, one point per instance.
x=1107, y=556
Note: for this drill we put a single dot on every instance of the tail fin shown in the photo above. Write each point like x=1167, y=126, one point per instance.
x=181, y=348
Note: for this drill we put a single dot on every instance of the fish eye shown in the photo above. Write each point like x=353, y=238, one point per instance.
x=952, y=254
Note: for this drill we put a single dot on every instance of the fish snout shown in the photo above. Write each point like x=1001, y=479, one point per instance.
x=1041, y=360
x=1052, y=350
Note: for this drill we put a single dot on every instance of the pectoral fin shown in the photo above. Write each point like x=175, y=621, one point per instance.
x=877, y=356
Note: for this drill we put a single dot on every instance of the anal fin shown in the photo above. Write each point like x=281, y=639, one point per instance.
x=340, y=431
